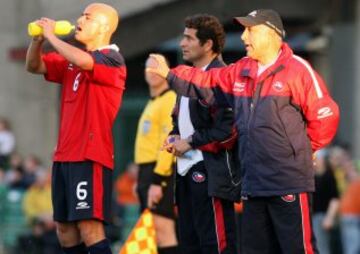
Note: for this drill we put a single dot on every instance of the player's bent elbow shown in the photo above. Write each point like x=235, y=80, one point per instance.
x=30, y=69
x=35, y=68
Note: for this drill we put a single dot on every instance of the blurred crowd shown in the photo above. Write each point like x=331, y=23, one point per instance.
x=26, y=222
x=25, y=199
x=26, y=211
x=336, y=203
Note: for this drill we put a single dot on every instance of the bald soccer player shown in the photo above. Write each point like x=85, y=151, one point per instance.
x=92, y=84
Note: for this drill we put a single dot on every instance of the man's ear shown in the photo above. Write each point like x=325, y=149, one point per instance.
x=208, y=45
x=104, y=28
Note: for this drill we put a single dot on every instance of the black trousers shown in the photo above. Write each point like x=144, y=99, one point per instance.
x=206, y=224
x=278, y=225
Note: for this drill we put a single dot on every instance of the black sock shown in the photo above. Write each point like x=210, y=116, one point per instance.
x=168, y=250
x=102, y=247
x=78, y=249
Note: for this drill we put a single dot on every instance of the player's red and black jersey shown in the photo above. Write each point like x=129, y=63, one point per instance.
x=90, y=101
x=282, y=116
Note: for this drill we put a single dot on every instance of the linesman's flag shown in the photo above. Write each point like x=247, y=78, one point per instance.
x=142, y=238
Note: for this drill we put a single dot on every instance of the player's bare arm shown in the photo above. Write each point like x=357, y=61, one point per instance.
x=77, y=56
x=34, y=63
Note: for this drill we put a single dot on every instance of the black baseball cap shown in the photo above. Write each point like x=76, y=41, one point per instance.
x=266, y=17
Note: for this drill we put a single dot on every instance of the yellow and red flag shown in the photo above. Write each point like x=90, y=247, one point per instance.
x=142, y=238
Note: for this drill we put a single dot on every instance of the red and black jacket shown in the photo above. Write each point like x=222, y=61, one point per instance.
x=281, y=116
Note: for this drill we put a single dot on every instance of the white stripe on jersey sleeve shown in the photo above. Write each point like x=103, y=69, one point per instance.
x=312, y=74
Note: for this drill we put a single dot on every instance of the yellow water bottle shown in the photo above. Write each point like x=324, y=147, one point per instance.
x=62, y=27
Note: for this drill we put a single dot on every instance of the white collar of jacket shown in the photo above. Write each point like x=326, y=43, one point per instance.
x=112, y=46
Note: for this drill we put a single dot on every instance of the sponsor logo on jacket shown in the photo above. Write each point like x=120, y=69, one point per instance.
x=324, y=112
x=239, y=87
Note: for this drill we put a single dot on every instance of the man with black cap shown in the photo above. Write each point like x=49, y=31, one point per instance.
x=283, y=114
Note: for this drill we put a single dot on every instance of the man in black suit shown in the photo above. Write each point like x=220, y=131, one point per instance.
x=207, y=179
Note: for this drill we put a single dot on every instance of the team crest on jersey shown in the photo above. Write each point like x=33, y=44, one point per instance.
x=76, y=82
x=278, y=86
x=288, y=198
x=198, y=177
x=239, y=87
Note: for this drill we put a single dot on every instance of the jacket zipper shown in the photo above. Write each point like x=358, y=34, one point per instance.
x=254, y=100
x=229, y=169
x=257, y=92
